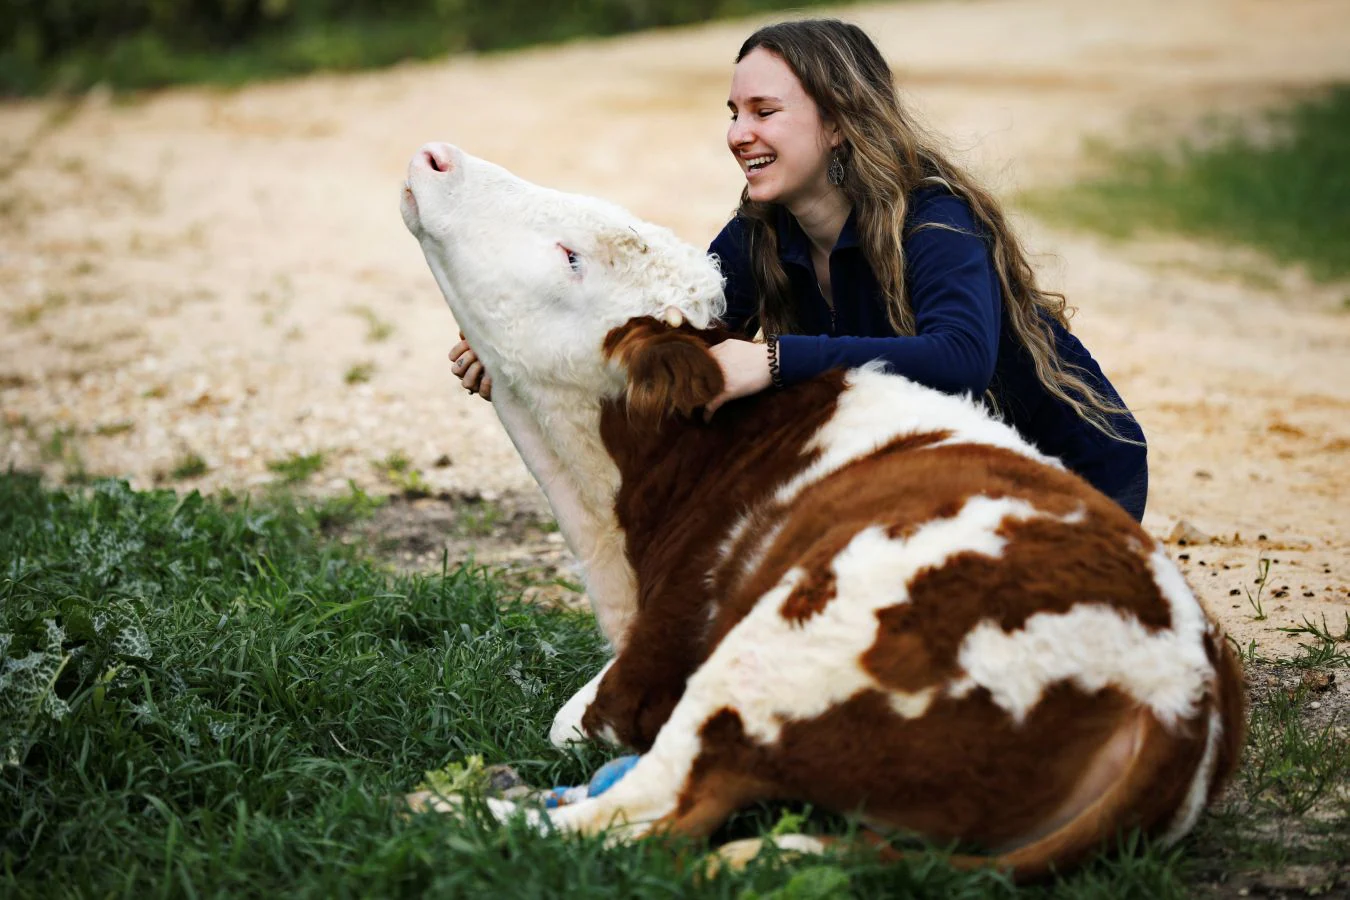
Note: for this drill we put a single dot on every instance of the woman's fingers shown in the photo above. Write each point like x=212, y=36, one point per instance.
x=463, y=361
x=466, y=367
x=472, y=375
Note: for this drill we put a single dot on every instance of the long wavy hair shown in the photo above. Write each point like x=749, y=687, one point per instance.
x=887, y=155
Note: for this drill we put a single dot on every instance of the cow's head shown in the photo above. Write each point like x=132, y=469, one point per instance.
x=537, y=278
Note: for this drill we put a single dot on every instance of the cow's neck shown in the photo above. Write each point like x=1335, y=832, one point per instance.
x=557, y=435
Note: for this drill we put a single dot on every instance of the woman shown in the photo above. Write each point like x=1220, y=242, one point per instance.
x=856, y=239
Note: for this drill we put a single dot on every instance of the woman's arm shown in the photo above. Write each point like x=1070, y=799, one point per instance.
x=957, y=305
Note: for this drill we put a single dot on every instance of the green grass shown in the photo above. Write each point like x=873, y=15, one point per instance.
x=190, y=465
x=377, y=329
x=398, y=470
x=297, y=467
x=208, y=697
x=1283, y=188
x=359, y=373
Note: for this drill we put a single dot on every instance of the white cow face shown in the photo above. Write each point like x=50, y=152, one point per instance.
x=536, y=278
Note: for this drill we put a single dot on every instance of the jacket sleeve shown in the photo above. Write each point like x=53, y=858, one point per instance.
x=957, y=305
x=731, y=249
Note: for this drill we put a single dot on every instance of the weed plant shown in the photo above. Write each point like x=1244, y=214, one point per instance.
x=1282, y=188
x=208, y=697
x=297, y=467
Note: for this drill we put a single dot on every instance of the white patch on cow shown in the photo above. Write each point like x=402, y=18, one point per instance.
x=648, y=792
x=961, y=687
x=505, y=811
x=580, y=492
x=912, y=706
x=876, y=407
x=773, y=670
x=750, y=558
x=1093, y=646
x=566, y=728
x=798, y=843
x=1189, y=811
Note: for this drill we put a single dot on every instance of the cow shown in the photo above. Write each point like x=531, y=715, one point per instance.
x=856, y=591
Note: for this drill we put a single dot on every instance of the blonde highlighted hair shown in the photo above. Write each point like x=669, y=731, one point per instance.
x=887, y=155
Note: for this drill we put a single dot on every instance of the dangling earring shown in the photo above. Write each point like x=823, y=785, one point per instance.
x=835, y=173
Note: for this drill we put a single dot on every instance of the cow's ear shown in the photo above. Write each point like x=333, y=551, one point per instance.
x=669, y=368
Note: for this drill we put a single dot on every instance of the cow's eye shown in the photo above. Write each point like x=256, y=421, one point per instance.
x=573, y=259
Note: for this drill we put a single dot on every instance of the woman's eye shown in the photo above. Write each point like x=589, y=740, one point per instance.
x=765, y=113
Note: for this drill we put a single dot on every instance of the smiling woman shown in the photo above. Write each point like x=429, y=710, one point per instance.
x=857, y=239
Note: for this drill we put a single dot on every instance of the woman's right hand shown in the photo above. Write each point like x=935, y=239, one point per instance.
x=469, y=370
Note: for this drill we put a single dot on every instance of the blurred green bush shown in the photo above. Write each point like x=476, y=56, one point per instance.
x=71, y=44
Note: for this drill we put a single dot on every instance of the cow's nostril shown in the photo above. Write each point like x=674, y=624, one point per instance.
x=439, y=156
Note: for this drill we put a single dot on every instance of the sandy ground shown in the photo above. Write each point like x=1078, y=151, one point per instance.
x=203, y=271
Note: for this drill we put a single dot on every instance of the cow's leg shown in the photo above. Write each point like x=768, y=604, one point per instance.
x=700, y=769
x=652, y=798
x=566, y=728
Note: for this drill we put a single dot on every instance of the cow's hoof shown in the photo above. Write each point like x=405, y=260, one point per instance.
x=736, y=855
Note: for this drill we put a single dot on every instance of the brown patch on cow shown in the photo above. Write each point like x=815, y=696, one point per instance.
x=1230, y=685
x=965, y=770
x=632, y=699
x=829, y=513
x=918, y=440
x=901, y=660
x=684, y=483
x=810, y=595
x=1034, y=575
x=669, y=369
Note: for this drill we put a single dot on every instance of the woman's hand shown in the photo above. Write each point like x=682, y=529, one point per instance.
x=745, y=371
x=464, y=363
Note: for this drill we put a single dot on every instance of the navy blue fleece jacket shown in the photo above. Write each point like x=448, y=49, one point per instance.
x=963, y=342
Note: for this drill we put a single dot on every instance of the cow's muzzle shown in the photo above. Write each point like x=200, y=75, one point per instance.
x=437, y=156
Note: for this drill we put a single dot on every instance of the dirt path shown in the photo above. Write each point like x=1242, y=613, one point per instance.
x=215, y=273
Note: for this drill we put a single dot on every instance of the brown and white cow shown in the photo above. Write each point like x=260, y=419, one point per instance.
x=857, y=591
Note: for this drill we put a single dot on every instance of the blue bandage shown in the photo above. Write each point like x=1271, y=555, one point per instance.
x=609, y=774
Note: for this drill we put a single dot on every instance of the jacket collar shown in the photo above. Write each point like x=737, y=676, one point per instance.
x=795, y=247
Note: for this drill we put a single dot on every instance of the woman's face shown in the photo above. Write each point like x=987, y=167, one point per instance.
x=777, y=133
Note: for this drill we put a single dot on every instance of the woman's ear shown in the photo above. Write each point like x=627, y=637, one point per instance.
x=669, y=368
x=833, y=133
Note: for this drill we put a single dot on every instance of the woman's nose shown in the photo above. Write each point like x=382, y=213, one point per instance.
x=738, y=134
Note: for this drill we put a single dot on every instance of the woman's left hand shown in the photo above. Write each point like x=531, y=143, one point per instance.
x=745, y=371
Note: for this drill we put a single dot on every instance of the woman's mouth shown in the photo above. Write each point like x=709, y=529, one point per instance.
x=758, y=163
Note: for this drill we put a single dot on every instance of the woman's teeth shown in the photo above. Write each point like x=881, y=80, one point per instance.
x=756, y=163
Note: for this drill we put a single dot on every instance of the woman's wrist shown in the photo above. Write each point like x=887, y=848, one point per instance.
x=775, y=369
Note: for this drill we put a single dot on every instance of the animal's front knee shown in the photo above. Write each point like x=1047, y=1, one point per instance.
x=567, y=728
